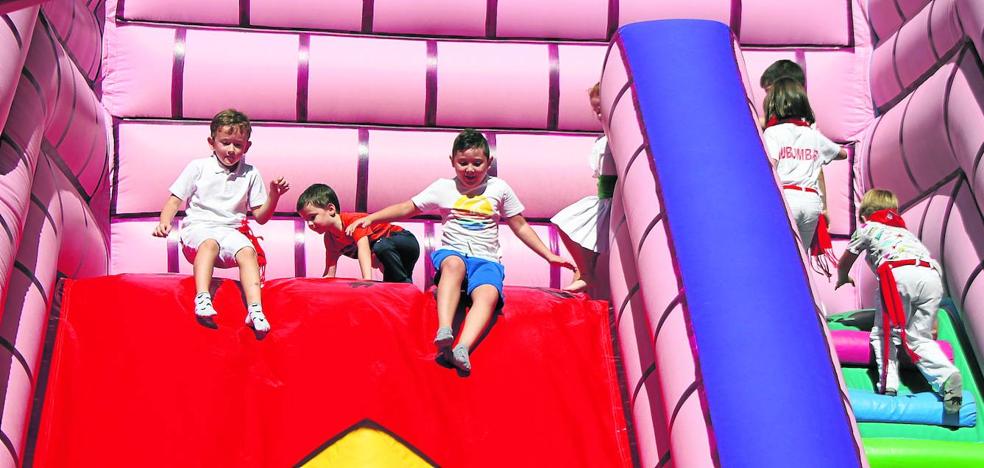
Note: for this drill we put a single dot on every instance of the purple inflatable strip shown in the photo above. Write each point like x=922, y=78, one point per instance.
x=625, y=302
x=612, y=22
x=71, y=113
x=172, y=247
x=645, y=234
x=120, y=4
x=895, y=61
x=428, y=250
x=300, y=261
x=368, y=6
x=800, y=56
x=362, y=174
x=491, y=18
x=850, y=42
x=946, y=98
x=244, y=13
x=31, y=80
x=946, y=222
x=114, y=190
x=929, y=31
x=902, y=156
x=494, y=168
x=736, y=18
x=553, y=103
x=177, y=74
x=898, y=9
x=303, y=70
x=430, y=99
x=13, y=30
x=555, y=249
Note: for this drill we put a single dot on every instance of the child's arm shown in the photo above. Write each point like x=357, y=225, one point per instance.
x=397, y=211
x=278, y=187
x=844, y=268
x=365, y=257
x=525, y=233
x=167, y=215
x=331, y=258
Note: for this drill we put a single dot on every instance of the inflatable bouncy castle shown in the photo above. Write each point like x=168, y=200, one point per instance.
x=710, y=340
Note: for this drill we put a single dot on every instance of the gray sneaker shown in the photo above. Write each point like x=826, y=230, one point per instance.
x=459, y=357
x=952, y=393
x=444, y=339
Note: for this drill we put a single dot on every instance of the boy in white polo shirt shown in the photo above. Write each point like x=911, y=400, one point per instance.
x=471, y=205
x=220, y=190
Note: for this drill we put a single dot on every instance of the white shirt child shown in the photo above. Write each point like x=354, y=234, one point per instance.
x=471, y=219
x=801, y=152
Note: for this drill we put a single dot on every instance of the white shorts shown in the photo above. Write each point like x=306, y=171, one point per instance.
x=805, y=208
x=230, y=240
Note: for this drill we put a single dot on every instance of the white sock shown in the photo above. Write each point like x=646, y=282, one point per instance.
x=203, y=305
x=256, y=317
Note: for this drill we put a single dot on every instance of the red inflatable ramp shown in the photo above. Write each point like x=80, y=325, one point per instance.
x=346, y=377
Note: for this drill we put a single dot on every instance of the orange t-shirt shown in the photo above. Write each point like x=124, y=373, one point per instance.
x=345, y=245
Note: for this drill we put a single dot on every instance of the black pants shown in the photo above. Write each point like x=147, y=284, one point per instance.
x=398, y=253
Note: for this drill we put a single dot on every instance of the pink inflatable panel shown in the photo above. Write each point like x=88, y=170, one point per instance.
x=147, y=168
x=324, y=78
x=926, y=41
x=841, y=105
x=854, y=348
x=78, y=30
x=13, y=51
x=886, y=16
x=580, y=19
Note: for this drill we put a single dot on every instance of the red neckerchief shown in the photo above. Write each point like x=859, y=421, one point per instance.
x=260, y=255
x=773, y=120
x=888, y=217
x=822, y=249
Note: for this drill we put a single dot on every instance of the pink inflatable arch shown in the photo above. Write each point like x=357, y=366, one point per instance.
x=102, y=104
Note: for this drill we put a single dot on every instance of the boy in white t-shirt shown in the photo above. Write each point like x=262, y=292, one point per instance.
x=471, y=205
x=910, y=288
x=219, y=190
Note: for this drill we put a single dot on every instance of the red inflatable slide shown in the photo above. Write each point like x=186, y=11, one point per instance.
x=135, y=381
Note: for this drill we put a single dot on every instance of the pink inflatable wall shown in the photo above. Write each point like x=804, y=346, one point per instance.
x=53, y=189
x=366, y=96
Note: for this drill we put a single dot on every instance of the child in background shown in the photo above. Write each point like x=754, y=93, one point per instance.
x=583, y=226
x=471, y=205
x=798, y=152
x=219, y=190
x=395, y=248
x=910, y=291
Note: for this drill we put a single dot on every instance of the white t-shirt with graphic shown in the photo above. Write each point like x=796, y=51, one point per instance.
x=471, y=219
x=801, y=152
x=882, y=243
x=217, y=196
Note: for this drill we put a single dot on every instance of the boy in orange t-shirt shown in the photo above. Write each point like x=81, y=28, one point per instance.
x=395, y=248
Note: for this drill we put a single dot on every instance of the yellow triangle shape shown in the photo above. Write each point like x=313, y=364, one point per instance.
x=366, y=448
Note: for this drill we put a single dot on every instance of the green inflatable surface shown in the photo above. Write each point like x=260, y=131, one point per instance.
x=916, y=445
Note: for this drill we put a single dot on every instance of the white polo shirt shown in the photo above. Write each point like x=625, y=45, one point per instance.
x=217, y=196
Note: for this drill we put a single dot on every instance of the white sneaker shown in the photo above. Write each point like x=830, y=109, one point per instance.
x=258, y=321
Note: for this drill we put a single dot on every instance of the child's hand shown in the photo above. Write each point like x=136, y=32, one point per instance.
x=826, y=216
x=279, y=186
x=844, y=280
x=359, y=223
x=162, y=230
x=561, y=262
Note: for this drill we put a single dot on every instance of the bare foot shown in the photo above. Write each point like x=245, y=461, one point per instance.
x=577, y=285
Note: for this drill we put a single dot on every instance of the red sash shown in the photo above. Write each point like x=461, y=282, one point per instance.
x=260, y=255
x=893, y=311
x=822, y=249
x=773, y=120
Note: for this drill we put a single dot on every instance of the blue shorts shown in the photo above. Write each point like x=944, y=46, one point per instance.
x=478, y=271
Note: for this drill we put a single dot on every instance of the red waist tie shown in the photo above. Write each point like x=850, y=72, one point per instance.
x=801, y=189
x=260, y=255
x=893, y=312
x=822, y=248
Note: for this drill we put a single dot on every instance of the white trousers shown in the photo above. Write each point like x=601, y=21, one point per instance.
x=921, y=290
x=805, y=207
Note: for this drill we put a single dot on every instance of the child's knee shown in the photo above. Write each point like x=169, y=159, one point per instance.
x=246, y=254
x=382, y=247
x=208, y=246
x=452, y=265
x=485, y=293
